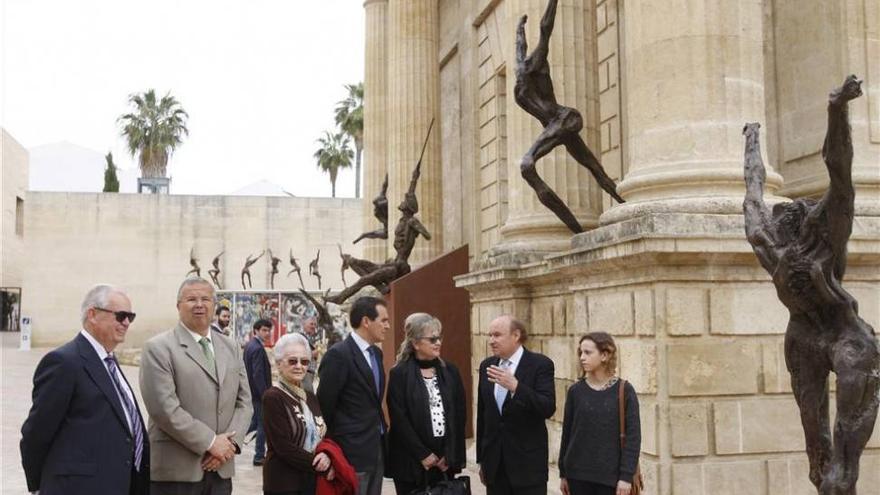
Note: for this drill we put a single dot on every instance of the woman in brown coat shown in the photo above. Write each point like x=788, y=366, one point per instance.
x=293, y=424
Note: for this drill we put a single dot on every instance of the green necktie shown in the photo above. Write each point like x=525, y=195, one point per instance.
x=209, y=354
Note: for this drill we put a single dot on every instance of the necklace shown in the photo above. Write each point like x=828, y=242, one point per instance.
x=604, y=386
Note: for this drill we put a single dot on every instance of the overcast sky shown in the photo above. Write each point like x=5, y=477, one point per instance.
x=259, y=79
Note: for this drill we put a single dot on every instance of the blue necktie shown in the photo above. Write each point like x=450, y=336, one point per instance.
x=374, y=358
x=375, y=367
x=130, y=409
x=501, y=392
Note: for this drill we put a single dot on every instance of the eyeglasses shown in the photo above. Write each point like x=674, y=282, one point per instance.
x=121, y=316
x=432, y=340
x=304, y=362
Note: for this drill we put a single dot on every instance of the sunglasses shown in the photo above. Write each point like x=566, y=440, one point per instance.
x=432, y=340
x=121, y=316
x=301, y=361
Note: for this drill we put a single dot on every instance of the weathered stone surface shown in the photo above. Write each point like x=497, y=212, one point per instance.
x=757, y=426
x=643, y=302
x=611, y=312
x=739, y=309
x=727, y=478
x=777, y=379
x=689, y=429
x=723, y=367
x=563, y=351
x=637, y=360
x=649, y=417
x=686, y=311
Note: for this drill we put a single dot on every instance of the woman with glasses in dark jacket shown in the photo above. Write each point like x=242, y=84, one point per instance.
x=426, y=403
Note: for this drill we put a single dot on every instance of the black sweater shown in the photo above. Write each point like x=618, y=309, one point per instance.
x=590, y=448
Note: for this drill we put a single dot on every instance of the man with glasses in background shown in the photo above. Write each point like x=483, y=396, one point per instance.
x=85, y=433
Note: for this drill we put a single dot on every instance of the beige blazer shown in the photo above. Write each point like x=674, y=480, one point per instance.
x=189, y=403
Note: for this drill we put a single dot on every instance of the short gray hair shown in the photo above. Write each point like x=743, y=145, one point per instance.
x=98, y=297
x=192, y=281
x=288, y=340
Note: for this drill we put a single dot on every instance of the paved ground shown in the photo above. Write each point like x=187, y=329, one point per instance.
x=16, y=374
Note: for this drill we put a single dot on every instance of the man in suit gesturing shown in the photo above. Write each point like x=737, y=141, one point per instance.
x=85, y=433
x=352, y=383
x=515, y=396
x=196, y=390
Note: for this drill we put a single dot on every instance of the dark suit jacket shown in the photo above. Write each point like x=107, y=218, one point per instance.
x=519, y=431
x=76, y=439
x=288, y=466
x=411, y=436
x=259, y=371
x=351, y=407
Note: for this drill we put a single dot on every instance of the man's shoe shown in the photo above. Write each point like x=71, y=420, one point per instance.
x=258, y=462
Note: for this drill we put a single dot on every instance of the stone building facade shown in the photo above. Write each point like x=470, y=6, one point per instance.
x=664, y=88
x=57, y=245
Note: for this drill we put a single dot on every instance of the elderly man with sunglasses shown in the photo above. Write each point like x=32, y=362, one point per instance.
x=85, y=433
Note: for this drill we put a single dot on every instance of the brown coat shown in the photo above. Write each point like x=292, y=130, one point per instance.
x=287, y=465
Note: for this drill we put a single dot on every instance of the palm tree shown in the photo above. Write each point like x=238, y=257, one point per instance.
x=154, y=130
x=350, y=118
x=333, y=155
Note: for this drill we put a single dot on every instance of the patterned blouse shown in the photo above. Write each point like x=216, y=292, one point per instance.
x=435, y=402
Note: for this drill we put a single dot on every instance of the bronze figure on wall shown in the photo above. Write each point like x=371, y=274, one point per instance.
x=533, y=92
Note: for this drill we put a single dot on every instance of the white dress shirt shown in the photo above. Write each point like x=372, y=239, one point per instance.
x=364, y=346
x=512, y=363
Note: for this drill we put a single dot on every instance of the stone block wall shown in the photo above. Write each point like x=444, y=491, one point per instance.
x=700, y=336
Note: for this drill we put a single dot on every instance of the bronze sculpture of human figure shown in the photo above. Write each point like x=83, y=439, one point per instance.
x=194, y=263
x=313, y=268
x=533, y=92
x=246, y=271
x=215, y=272
x=274, y=261
x=380, y=211
x=296, y=269
x=802, y=244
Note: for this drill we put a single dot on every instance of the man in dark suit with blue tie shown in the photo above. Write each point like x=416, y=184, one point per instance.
x=85, y=433
x=515, y=396
x=350, y=390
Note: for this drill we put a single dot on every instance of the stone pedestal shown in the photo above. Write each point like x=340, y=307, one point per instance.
x=375, y=121
x=700, y=336
x=413, y=95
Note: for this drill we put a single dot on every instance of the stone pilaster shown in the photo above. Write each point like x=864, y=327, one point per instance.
x=530, y=226
x=413, y=100
x=375, y=120
x=693, y=74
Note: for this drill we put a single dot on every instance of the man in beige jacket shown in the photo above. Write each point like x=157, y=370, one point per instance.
x=195, y=389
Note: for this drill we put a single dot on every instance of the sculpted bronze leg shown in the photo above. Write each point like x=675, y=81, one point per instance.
x=809, y=383
x=551, y=137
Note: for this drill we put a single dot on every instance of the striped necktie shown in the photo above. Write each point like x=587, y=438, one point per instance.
x=136, y=428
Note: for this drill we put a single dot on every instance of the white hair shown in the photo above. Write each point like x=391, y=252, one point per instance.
x=97, y=297
x=289, y=340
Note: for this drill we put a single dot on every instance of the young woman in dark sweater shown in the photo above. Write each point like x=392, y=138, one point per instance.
x=590, y=458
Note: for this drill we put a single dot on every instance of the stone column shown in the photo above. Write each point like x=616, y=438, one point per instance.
x=693, y=74
x=413, y=100
x=375, y=121
x=530, y=226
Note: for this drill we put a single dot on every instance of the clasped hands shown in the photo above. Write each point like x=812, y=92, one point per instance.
x=221, y=451
x=434, y=461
